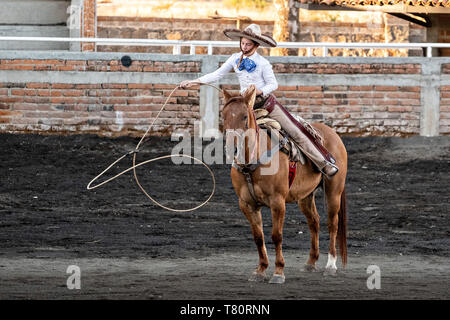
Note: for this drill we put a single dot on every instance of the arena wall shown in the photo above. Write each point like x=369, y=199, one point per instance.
x=37, y=18
x=92, y=92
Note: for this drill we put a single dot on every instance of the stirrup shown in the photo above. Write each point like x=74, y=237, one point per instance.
x=333, y=173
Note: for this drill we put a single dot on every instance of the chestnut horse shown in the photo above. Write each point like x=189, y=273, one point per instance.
x=273, y=190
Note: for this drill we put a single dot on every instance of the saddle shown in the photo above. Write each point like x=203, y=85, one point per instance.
x=286, y=144
x=290, y=147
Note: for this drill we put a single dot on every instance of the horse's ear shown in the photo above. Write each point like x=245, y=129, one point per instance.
x=250, y=96
x=226, y=94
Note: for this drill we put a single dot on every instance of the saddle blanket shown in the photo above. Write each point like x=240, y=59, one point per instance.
x=292, y=170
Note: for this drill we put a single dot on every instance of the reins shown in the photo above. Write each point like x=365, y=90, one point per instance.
x=136, y=150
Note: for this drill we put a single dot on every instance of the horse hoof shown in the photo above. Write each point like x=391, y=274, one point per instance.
x=330, y=272
x=277, y=279
x=310, y=268
x=257, y=277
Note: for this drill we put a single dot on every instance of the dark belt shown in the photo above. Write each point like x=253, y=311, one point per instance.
x=259, y=102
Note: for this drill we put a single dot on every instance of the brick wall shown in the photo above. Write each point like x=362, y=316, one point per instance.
x=89, y=24
x=95, y=93
x=356, y=110
x=444, y=118
x=102, y=108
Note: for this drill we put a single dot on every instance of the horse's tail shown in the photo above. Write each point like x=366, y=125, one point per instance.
x=342, y=228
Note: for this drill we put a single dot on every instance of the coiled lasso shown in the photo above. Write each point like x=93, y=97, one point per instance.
x=134, y=152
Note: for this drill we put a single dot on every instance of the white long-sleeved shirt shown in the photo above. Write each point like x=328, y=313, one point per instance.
x=262, y=77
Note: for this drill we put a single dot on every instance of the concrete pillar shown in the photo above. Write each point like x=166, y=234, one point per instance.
x=74, y=23
x=430, y=98
x=209, y=101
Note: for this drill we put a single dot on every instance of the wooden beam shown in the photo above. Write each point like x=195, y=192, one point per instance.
x=397, y=8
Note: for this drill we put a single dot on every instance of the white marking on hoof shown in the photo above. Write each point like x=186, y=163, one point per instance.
x=331, y=265
x=277, y=279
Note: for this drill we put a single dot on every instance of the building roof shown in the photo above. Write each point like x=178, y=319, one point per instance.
x=415, y=3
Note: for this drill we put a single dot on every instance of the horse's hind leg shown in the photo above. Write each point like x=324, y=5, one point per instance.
x=308, y=207
x=253, y=216
x=333, y=194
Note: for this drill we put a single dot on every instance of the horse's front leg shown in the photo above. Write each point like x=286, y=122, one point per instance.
x=278, y=208
x=253, y=216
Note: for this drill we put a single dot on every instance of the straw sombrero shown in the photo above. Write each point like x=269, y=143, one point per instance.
x=252, y=32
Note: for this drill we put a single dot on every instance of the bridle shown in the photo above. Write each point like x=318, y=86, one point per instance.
x=241, y=135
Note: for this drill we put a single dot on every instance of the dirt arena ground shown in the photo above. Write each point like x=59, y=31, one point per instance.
x=127, y=248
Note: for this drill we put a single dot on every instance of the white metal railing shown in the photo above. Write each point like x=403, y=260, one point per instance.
x=178, y=44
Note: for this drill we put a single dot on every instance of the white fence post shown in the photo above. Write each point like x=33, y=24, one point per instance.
x=177, y=44
x=176, y=49
x=192, y=51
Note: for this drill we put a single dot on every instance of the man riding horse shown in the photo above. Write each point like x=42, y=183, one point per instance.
x=253, y=69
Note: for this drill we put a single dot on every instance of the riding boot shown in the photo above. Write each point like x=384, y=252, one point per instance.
x=306, y=141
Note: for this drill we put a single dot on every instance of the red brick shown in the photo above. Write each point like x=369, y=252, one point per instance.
x=335, y=88
x=140, y=86
x=73, y=93
x=62, y=86
x=76, y=62
x=88, y=86
x=37, y=85
x=310, y=88
x=43, y=93
x=23, y=67
x=110, y=100
x=287, y=88
x=114, y=86
x=177, y=93
x=410, y=89
x=360, y=88
x=349, y=109
x=386, y=88
x=23, y=92
x=399, y=108
x=56, y=93
x=164, y=86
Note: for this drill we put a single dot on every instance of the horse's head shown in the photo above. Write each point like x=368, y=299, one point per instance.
x=238, y=110
x=238, y=118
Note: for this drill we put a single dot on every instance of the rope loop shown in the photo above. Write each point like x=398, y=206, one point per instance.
x=134, y=166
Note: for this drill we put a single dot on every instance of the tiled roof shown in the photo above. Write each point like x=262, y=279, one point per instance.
x=415, y=3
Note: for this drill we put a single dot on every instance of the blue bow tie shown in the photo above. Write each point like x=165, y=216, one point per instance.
x=246, y=64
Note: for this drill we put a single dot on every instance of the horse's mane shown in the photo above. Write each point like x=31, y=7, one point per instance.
x=237, y=98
